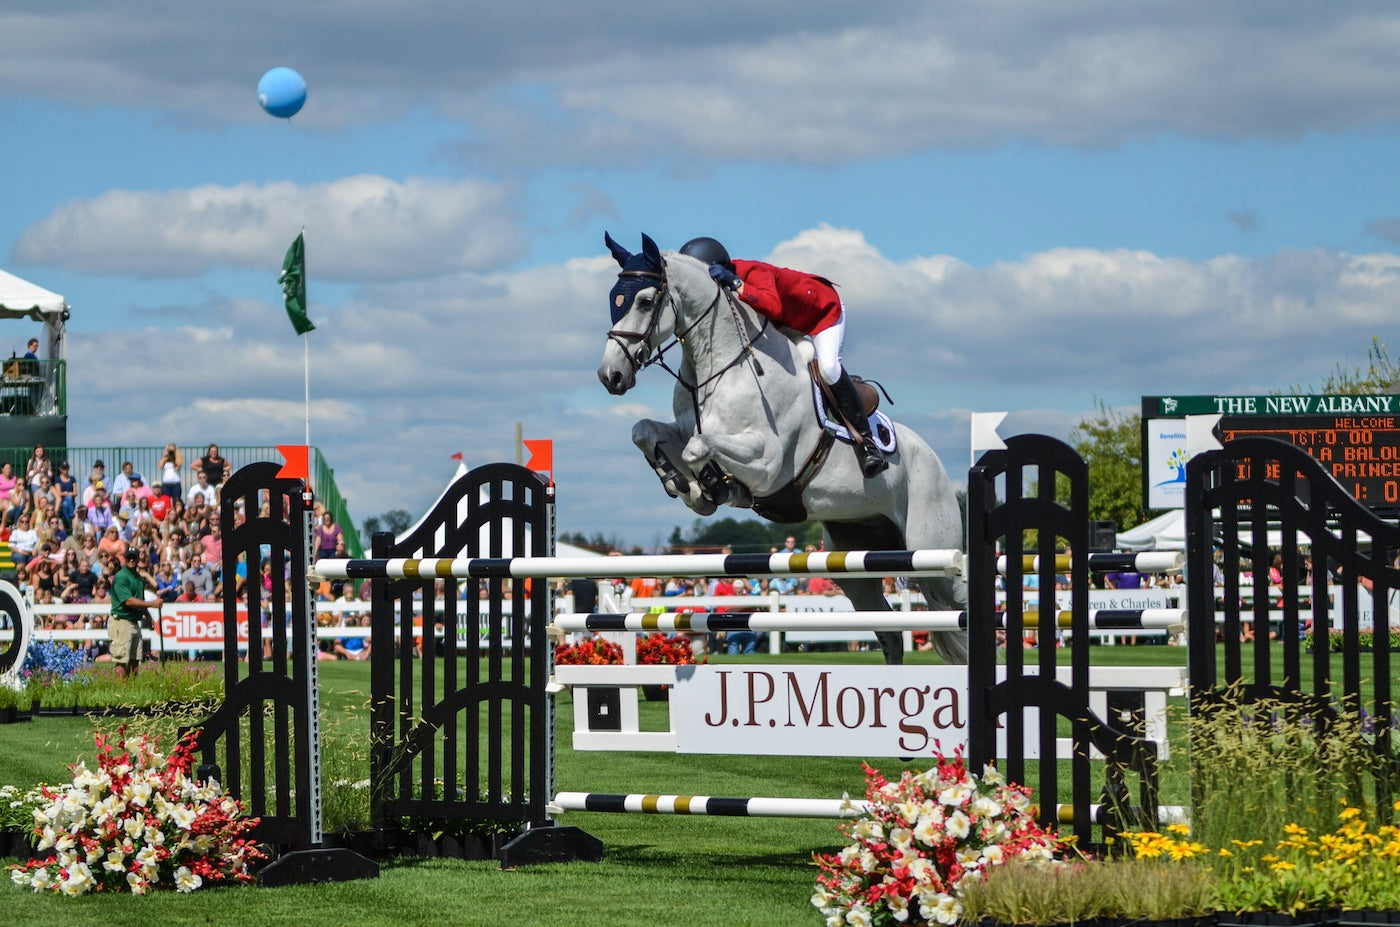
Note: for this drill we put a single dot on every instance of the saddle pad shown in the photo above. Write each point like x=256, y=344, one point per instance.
x=881, y=428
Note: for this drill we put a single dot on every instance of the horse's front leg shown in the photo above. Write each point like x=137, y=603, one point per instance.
x=748, y=459
x=662, y=445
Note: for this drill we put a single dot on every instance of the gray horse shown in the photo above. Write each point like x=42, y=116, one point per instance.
x=746, y=433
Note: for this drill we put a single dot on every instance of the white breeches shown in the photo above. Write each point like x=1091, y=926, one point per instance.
x=827, y=344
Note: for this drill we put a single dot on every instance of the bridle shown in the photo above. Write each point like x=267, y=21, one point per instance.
x=625, y=338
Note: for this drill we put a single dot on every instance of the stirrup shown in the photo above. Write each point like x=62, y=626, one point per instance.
x=872, y=462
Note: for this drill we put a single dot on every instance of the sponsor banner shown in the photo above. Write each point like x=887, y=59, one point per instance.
x=197, y=626
x=872, y=711
x=1151, y=597
x=1164, y=460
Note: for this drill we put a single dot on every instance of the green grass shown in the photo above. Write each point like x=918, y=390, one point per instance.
x=657, y=869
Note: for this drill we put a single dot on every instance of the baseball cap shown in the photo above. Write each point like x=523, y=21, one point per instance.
x=136, y=478
x=98, y=463
x=132, y=553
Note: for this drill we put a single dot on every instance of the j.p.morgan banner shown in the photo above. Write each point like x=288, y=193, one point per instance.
x=820, y=710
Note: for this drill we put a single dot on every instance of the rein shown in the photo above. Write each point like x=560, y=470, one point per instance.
x=623, y=338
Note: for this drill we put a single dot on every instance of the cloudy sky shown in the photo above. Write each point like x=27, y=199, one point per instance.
x=1029, y=206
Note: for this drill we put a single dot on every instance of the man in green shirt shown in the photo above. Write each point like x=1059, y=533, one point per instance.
x=129, y=605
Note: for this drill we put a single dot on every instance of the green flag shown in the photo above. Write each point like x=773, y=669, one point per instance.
x=293, y=282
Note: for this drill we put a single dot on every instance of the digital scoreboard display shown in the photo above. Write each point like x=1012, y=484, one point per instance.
x=1357, y=438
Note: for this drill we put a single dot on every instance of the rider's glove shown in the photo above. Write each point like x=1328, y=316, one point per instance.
x=724, y=276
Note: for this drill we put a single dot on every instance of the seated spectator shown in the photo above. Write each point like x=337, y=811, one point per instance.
x=99, y=510
x=138, y=485
x=24, y=541
x=199, y=575
x=212, y=545
x=167, y=583
x=122, y=481
x=112, y=544
x=327, y=534
x=96, y=479
x=81, y=582
x=160, y=503
x=189, y=594
x=202, y=488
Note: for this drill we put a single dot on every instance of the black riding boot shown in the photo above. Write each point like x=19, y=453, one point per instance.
x=872, y=462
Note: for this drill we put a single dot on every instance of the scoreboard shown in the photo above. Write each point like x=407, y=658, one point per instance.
x=1357, y=438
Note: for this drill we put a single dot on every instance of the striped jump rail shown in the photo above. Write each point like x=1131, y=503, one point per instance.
x=1147, y=561
x=711, y=806
x=1101, y=619
x=819, y=563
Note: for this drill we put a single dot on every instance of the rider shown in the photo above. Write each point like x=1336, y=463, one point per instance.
x=808, y=304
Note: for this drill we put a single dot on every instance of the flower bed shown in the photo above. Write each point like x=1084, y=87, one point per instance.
x=136, y=824
x=925, y=838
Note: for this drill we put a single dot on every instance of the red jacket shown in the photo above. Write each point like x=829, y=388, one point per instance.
x=804, y=302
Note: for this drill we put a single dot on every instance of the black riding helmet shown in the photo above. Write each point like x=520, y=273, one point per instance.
x=708, y=250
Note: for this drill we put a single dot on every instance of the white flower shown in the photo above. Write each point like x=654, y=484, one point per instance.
x=957, y=795
x=922, y=870
x=958, y=826
x=141, y=793
x=994, y=854
x=183, y=816
x=900, y=837
x=19, y=876
x=116, y=860
x=41, y=879
x=858, y=916
x=869, y=829
x=186, y=881
x=869, y=862
x=79, y=880
x=133, y=827
x=948, y=910
x=985, y=806
x=136, y=884
x=992, y=777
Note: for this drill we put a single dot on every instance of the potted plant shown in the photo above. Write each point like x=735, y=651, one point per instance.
x=657, y=649
x=923, y=839
x=138, y=823
x=17, y=820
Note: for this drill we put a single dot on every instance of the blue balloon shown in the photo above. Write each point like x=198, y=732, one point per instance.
x=282, y=92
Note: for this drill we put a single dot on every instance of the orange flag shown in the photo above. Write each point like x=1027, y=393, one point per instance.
x=298, y=462
x=541, y=456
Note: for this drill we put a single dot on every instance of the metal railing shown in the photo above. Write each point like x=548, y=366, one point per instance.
x=33, y=387
x=146, y=461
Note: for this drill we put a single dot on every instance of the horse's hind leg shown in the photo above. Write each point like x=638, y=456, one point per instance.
x=868, y=595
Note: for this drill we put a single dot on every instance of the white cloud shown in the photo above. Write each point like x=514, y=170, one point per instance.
x=405, y=376
x=360, y=228
x=550, y=82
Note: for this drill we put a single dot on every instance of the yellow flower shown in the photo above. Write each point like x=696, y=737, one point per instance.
x=1282, y=865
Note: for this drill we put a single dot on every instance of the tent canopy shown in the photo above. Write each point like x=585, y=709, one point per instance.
x=20, y=299
x=1165, y=532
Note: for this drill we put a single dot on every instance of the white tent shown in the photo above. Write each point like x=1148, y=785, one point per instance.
x=1165, y=532
x=20, y=299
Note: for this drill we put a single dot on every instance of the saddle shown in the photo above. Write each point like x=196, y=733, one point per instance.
x=831, y=419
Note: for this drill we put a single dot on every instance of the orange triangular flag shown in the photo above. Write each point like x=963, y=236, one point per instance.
x=541, y=455
x=298, y=465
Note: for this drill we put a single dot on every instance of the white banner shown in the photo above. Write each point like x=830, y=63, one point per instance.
x=1165, y=463
x=872, y=711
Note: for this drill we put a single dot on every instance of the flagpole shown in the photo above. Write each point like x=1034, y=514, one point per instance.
x=306, y=367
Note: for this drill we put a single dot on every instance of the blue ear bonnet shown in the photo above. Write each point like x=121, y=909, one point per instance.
x=639, y=273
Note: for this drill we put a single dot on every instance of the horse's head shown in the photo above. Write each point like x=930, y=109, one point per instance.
x=640, y=324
